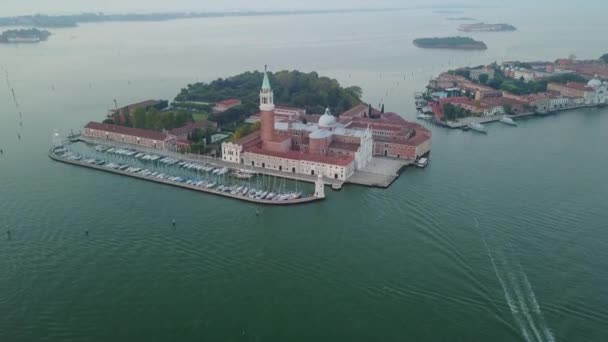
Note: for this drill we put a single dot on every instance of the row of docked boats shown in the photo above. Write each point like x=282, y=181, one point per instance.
x=240, y=173
x=241, y=190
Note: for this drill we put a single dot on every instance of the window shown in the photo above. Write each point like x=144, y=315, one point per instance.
x=293, y=169
x=252, y=163
x=280, y=168
x=312, y=172
x=263, y=164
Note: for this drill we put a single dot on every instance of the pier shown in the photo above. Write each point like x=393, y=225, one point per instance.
x=464, y=122
x=319, y=193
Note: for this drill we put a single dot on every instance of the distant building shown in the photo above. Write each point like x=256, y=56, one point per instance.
x=224, y=105
x=184, y=131
x=575, y=90
x=126, y=135
x=487, y=70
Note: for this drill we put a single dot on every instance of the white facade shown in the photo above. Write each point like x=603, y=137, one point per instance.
x=599, y=95
x=231, y=152
x=496, y=110
x=365, y=153
x=305, y=167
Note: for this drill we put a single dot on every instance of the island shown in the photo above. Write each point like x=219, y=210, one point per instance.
x=24, y=36
x=459, y=43
x=470, y=96
x=483, y=27
x=318, y=132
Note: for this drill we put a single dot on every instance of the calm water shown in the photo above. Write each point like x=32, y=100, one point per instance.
x=501, y=238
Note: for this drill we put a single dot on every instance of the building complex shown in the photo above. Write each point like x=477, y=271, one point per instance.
x=325, y=145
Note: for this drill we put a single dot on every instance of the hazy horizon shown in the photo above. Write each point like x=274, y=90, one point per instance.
x=25, y=7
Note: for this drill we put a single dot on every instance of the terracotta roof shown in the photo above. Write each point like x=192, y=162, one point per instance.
x=578, y=86
x=229, y=102
x=248, y=138
x=190, y=127
x=501, y=101
x=355, y=110
x=182, y=142
x=295, y=155
x=137, y=132
x=338, y=145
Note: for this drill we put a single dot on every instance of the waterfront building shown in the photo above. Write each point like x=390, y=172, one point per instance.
x=224, y=105
x=184, y=131
x=126, y=135
x=324, y=145
x=593, y=93
x=487, y=70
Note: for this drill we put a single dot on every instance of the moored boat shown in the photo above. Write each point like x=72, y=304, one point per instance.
x=477, y=127
x=507, y=120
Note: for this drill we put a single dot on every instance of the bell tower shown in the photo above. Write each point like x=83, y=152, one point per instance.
x=266, y=109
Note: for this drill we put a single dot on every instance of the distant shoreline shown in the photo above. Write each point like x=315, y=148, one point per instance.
x=73, y=20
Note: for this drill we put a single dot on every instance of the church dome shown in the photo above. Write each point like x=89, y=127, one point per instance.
x=327, y=120
x=595, y=83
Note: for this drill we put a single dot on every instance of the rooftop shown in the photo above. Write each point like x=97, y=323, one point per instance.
x=136, y=132
x=229, y=102
x=190, y=127
x=295, y=155
x=344, y=146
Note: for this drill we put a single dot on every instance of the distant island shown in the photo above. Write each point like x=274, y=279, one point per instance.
x=72, y=20
x=460, y=43
x=24, y=36
x=483, y=27
x=460, y=18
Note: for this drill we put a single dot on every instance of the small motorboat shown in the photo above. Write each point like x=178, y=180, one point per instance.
x=507, y=120
x=422, y=162
x=477, y=127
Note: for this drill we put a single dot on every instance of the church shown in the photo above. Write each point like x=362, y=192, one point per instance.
x=325, y=145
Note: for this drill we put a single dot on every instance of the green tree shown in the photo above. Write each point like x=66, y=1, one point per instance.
x=604, y=58
x=483, y=78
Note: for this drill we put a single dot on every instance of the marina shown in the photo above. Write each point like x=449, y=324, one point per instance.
x=241, y=184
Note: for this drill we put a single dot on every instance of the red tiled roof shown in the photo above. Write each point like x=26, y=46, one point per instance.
x=136, y=132
x=501, y=101
x=182, y=142
x=295, y=155
x=229, y=102
x=338, y=145
x=190, y=127
x=355, y=110
x=578, y=86
x=248, y=138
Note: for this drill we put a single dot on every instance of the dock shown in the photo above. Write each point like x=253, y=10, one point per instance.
x=464, y=122
x=380, y=172
x=302, y=200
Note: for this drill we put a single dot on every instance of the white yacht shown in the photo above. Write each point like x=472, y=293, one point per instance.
x=507, y=120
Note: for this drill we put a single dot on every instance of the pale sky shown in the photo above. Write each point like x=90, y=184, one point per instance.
x=18, y=7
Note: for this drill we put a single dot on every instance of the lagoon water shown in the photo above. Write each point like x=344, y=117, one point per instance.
x=503, y=237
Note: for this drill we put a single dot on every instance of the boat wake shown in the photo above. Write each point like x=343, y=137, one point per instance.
x=519, y=294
